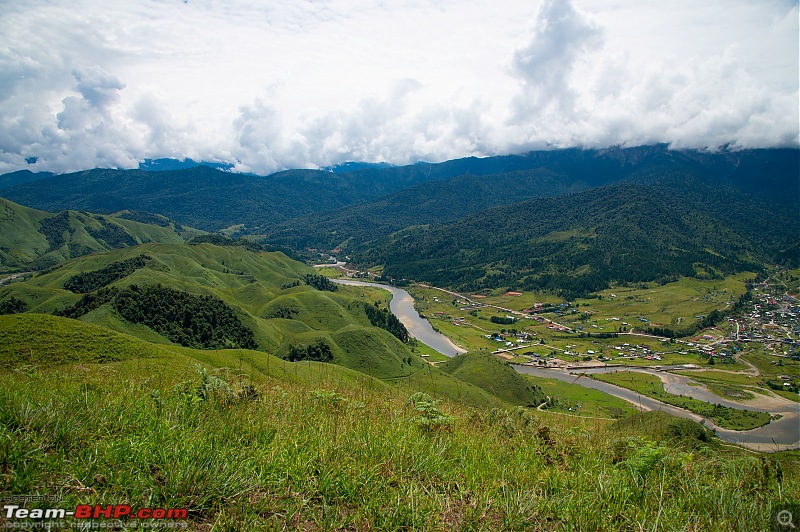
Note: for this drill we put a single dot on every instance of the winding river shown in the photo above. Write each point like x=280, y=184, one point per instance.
x=780, y=434
x=402, y=306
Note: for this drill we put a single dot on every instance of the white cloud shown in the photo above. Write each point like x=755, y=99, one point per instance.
x=311, y=83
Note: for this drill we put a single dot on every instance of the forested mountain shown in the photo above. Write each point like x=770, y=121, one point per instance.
x=578, y=243
x=34, y=239
x=21, y=176
x=705, y=179
x=211, y=199
x=432, y=202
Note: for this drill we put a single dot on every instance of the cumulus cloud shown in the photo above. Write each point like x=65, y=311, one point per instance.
x=546, y=63
x=306, y=84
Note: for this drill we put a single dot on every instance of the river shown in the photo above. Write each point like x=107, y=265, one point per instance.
x=780, y=434
x=402, y=306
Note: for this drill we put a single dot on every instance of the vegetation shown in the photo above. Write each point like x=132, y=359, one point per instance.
x=578, y=244
x=155, y=395
x=320, y=282
x=219, y=240
x=576, y=400
x=84, y=283
x=386, y=320
x=495, y=376
x=114, y=236
x=36, y=240
x=189, y=320
x=12, y=305
x=651, y=386
x=464, y=187
x=244, y=440
x=319, y=351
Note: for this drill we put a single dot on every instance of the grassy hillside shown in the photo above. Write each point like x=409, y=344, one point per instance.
x=495, y=376
x=24, y=344
x=243, y=440
x=265, y=292
x=33, y=239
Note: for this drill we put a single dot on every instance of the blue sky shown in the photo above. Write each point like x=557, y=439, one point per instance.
x=274, y=85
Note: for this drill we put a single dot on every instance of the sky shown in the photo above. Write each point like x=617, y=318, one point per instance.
x=270, y=85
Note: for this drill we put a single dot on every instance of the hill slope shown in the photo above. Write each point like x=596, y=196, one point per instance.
x=33, y=239
x=709, y=180
x=242, y=440
x=496, y=376
x=208, y=295
x=581, y=242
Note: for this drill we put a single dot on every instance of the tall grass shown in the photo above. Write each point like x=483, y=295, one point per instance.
x=248, y=452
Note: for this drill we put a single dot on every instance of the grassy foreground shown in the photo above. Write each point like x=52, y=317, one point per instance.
x=265, y=444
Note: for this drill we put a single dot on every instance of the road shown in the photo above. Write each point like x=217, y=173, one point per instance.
x=13, y=276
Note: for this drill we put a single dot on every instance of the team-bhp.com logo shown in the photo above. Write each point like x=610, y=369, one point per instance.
x=90, y=517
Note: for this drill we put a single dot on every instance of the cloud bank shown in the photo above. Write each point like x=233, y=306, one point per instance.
x=92, y=83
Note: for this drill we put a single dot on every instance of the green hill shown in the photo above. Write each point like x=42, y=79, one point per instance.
x=495, y=376
x=216, y=296
x=33, y=239
x=23, y=342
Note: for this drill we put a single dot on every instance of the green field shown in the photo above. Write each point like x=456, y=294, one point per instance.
x=651, y=386
x=576, y=400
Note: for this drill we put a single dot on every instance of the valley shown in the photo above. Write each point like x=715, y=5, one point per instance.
x=555, y=340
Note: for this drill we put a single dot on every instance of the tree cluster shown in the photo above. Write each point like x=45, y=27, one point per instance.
x=319, y=351
x=202, y=322
x=53, y=229
x=13, y=305
x=113, y=235
x=220, y=240
x=387, y=321
x=320, y=282
x=86, y=282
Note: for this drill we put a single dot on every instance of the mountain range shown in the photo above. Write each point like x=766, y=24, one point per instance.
x=576, y=219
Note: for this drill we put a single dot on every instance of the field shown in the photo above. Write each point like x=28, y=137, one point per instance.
x=576, y=400
x=651, y=386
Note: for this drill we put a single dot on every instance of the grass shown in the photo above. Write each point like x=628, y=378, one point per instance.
x=495, y=376
x=301, y=452
x=579, y=401
x=651, y=386
x=34, y=340
x=22, y=244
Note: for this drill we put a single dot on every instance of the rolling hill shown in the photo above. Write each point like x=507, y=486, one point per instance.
x=33, y=239
x=209, y=296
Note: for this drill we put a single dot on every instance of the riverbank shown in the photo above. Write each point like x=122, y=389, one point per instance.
x=402, y=306
x=777, y=435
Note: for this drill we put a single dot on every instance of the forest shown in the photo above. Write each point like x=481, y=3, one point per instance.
x=85, y=282
x=201, y=322
x=386, y=320
x=578, y=244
